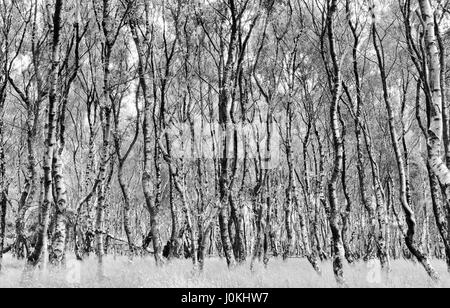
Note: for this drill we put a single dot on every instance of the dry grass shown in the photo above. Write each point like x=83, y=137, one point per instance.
x=142, y=273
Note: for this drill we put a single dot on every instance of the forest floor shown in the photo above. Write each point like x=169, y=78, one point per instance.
x=142, y=273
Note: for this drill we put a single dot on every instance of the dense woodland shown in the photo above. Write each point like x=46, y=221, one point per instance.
x=239, y=129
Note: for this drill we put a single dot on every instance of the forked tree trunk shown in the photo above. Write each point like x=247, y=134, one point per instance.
x=361, y=163
x=147, y=184
x=40, y=253
x=226, y=127
x=58, y=255
x=179, y=185
x=122, y=159
x=303, y=218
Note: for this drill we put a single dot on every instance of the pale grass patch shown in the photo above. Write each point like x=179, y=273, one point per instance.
x=142, y=273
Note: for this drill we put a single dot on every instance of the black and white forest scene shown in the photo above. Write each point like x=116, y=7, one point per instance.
x=232, y=144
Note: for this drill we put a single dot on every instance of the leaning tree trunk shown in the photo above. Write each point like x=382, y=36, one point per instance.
x=435, y=112
x=435, y=190
x=312, y=258
x=303, y=218
x=408, y=210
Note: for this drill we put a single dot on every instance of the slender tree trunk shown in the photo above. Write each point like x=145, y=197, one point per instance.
x=3, y=204
x=291, y=185
x=3, y=189
x=175, y=241
x=126, y=207
x=259, y=209
x=346, y=215
x=337, y=246
x=29, y=192
x=105, y=117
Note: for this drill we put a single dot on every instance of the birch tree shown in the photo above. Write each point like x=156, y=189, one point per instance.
x=40, y=254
